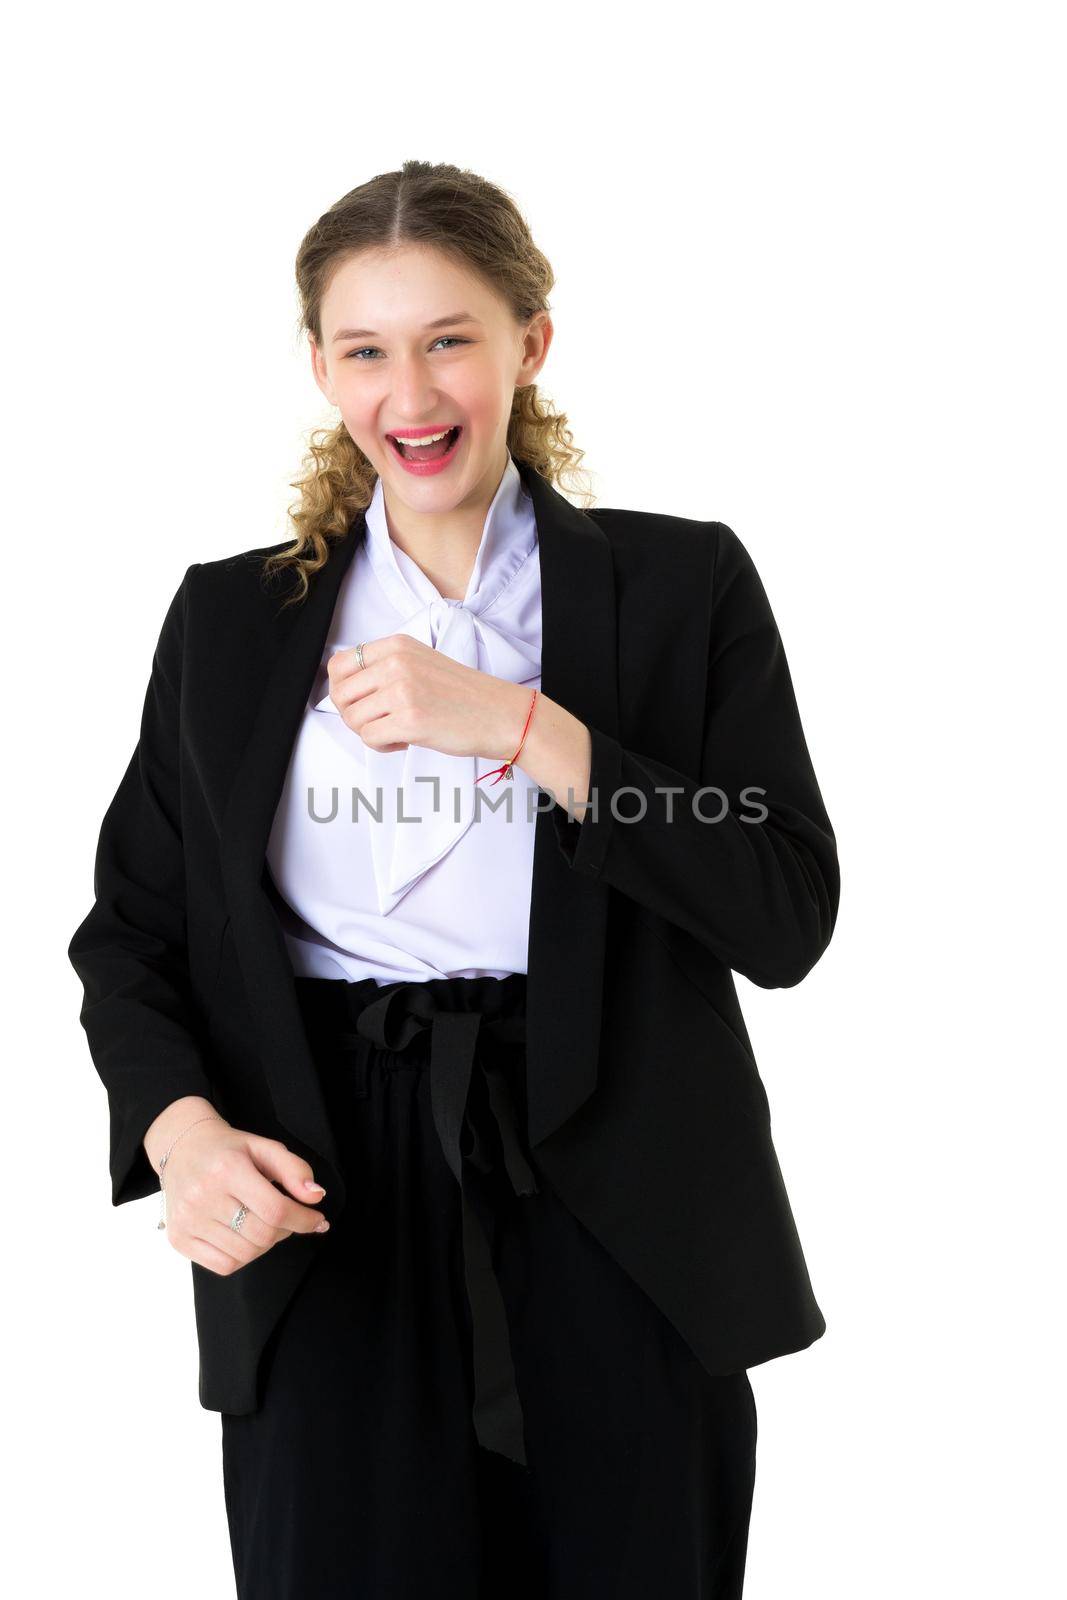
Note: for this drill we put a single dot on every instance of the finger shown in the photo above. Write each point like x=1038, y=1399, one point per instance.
x=383, y=732
x=275, y=1211
x=252, y=1226
x=358, y=692
x=209, y=1256
x=348, y=678
x=273, y=1159
x=344, y=665
x=267, y=1159
x=236, y=1172
x=224, y=1237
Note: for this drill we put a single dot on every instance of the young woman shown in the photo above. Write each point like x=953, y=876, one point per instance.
x=409, y=973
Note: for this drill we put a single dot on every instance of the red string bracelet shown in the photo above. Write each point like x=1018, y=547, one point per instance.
x=505, y=770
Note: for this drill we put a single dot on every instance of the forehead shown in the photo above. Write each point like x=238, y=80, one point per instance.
x=402, y=290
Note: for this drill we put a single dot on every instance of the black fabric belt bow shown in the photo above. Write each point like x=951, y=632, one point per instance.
x=390, y=1022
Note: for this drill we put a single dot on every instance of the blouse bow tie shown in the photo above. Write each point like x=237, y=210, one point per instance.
x=442, y=811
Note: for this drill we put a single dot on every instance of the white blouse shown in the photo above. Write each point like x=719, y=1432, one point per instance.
x=438, y=884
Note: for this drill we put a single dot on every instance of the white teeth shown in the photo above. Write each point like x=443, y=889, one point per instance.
x=429, y=438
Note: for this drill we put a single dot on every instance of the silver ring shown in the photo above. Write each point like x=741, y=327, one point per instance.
x=359, y=655
x=238, y=1217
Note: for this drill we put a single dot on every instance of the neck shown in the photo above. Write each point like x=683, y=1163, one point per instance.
x=444, y=544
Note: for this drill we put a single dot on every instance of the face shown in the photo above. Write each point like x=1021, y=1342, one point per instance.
x=413, y=341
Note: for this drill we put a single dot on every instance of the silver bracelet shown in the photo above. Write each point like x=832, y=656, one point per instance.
x=162, y=1223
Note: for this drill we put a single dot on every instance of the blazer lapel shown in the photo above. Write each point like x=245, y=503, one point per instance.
x=297, y=639
x=567, y=912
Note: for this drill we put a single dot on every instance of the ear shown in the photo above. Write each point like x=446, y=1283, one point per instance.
x=318, y=370
x=538, y=337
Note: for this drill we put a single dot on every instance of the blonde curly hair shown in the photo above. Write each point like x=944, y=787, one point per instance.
x=479, y=227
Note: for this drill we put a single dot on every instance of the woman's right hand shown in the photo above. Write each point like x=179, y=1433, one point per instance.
x=214, y=1169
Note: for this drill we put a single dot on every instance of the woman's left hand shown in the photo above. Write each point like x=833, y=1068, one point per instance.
x=408, y=693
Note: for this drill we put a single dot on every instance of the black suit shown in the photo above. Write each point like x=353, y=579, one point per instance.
x=646, y=1110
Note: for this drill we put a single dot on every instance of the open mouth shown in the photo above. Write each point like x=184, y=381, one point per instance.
x=436, y=451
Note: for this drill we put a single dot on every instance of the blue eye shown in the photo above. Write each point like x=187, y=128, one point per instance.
x=446, y=338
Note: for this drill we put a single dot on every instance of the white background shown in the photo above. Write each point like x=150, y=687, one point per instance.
x=811, y=282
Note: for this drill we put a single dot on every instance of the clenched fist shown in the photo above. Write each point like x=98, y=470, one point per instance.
x=212, y=1170
x=409, y=693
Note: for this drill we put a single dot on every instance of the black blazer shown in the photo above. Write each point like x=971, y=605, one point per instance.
x=647, y=1114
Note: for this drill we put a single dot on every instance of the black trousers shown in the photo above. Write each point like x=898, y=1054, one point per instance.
x=376, y=1463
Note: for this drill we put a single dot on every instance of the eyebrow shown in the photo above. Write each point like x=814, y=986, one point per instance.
x=441, y=322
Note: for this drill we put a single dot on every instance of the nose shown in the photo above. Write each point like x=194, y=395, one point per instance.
x=414, y=399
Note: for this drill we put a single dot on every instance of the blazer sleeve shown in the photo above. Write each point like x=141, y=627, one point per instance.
x=129, y=951
x=762, y=895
